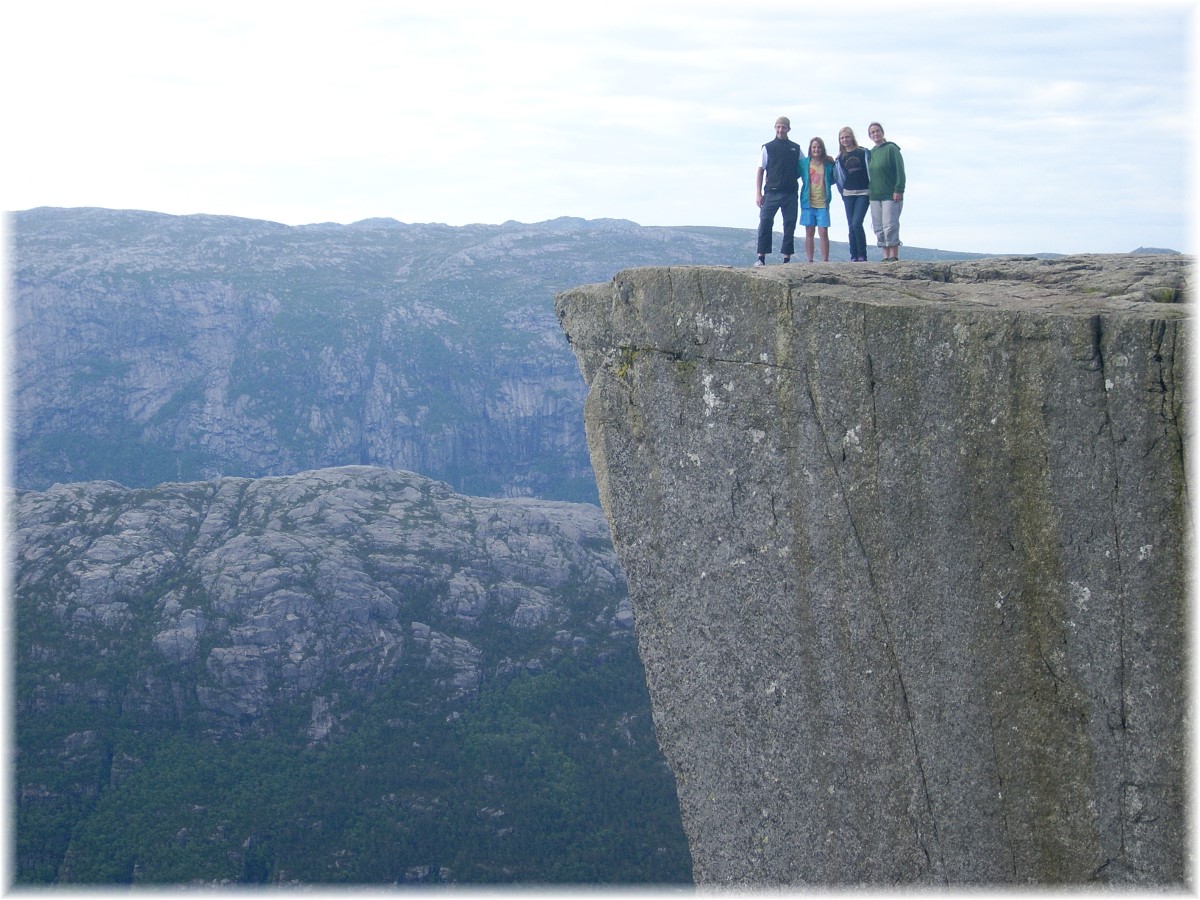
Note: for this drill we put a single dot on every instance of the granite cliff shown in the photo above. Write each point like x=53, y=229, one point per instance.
x=906, y=551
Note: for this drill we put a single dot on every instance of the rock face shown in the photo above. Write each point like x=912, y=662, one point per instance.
x=906, y=551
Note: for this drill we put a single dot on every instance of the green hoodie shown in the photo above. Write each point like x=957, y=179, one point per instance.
x=886, y=167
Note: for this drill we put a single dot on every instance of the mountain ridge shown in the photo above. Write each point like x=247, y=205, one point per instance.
x=389, y=221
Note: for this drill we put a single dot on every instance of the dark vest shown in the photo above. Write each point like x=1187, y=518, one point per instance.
x=783, y=166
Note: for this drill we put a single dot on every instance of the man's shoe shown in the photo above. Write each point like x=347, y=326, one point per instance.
x=760, y=262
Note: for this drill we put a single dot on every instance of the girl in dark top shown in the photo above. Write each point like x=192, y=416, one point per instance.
x=853, y=182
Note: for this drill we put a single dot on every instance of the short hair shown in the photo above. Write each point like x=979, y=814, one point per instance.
x=784, y=120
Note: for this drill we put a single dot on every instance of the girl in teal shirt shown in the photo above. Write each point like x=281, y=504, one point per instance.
x=817, y=180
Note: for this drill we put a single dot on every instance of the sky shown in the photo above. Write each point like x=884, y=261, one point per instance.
x=1052, y=127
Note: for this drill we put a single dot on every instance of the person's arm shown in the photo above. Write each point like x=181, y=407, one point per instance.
x=758, y=188
x=899, y=188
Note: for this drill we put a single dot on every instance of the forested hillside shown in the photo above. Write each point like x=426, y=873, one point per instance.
x=349, y=675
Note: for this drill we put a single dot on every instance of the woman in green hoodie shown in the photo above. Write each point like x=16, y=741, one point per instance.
x=886, y=167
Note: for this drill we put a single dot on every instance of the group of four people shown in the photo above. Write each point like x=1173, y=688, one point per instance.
x=801, y=188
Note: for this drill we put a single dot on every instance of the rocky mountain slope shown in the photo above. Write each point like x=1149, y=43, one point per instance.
x=906, y=549
x=151, y=348
x=301, y=614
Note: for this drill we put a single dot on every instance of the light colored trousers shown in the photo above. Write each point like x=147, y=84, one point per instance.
x=885, y=219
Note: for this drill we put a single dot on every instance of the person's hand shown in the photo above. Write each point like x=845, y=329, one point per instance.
x=897, y=197
x=758, y=200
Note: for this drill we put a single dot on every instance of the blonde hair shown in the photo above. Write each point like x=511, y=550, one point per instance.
x=850, y=131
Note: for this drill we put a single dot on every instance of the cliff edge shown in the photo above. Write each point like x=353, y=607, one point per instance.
x=906, y=548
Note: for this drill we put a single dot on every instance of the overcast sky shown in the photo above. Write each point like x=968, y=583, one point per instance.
x=1024, y=127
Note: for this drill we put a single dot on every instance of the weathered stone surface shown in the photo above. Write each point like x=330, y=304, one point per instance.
x=906, y=550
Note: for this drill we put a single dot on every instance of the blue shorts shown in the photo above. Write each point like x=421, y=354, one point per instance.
x=810, y=217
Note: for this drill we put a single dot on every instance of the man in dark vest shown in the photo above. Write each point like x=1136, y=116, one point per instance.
x=777, y=188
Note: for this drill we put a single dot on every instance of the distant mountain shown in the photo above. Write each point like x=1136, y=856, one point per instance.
x=152, y=348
